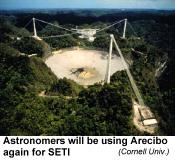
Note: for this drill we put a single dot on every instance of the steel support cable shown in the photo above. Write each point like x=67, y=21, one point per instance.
x=54, y=25
x=28, y=23
x=133, y=29
x=111, y=25
x=24, y=27
x=40, y=25
x=57, y=36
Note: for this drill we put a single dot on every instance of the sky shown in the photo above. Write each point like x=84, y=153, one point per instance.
x=40, y=4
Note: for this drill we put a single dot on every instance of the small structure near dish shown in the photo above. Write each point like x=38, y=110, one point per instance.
x=144, y=119
x=147, y=116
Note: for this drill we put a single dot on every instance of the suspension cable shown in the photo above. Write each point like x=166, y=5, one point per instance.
x=60, y=27
x=54, y=25
x=27, y=23
x=24, y=27
x=57, y=36
x=39, y=25
x=133, y=29
x=110, y=25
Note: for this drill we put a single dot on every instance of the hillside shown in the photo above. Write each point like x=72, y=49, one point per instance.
x=74, y=110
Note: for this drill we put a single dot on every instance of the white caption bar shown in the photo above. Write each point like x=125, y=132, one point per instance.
x=87, y=148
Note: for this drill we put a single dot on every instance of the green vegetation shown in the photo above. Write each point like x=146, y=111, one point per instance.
x=28, y=46
x=65, y=87
x=68, y=108
x=20, y=78
x=64, y=42
x=98, y=110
